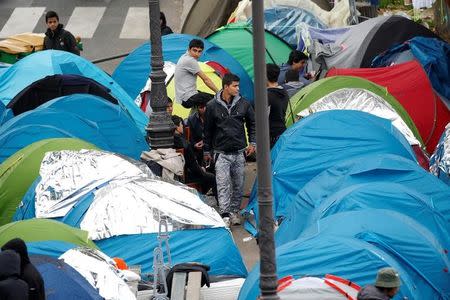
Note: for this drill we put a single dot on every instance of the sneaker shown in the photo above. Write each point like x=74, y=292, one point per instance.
x=235, y=219
x=227, y=222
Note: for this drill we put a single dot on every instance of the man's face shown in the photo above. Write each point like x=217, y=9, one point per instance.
x=195, y=52
x=169, y=108
x=233, y=88
x=392, y=292
x=299, y=65
x=201, y=110
x=52, y=23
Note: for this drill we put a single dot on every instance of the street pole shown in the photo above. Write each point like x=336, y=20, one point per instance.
x=160, y=127
x=268, y=276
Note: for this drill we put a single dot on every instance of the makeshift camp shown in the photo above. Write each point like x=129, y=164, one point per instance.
x=46, y=237
x=134, y=70
x=18, y=46
x=61, y=281
x=237, y=40
x=123, y=213
x=19, y=171
x=434, y=56
x=352, y=93
x=409, y=84
x=44, y=63
x=283, y=21
x=55, y=86
x=359, y=46
x=320, y=141
x=308, y=34
x=440, y=160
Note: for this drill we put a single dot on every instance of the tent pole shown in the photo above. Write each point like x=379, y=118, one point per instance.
x=268, y=276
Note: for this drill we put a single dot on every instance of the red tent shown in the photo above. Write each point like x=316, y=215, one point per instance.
x=409, y=84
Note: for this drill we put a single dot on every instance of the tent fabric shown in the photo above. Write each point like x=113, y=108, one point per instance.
x=61, y=281
x=134, y=70
x=345, y=92
x=409, y=84
x=19, y=171
x=237, y=40
x=54, y=86
x=440, y=160
x=359, y=46
x=49, y=248
x=50, y=62
x=283, y=20
x=350, y=258
x=307, y=34
x=320, y=141
x=434, y=56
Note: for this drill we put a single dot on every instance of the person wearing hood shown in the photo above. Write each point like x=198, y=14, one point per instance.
x=56, y=37
x=386, y=286
x=11, y=286
x=278, y=100
x=163, y=22
x=28, y=271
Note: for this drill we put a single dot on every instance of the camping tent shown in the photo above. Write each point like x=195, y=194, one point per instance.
x=359, y=46
x=440, y=160
x=345, y=92
x=322, y=35
x=409, y=84
x=44, y=63
x=19, y=171
x=283, y=20
x=321, y=141
x=54, y=86
x=134, y=70
x=434, y=56
x=237, y=40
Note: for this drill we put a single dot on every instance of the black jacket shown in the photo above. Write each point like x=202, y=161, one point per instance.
x=190, y=159
x=166, y=30
x=60, y=39
x=11, y=286
x=278, y=101
x=196, y=127
x=28, y=271
x=224, y=127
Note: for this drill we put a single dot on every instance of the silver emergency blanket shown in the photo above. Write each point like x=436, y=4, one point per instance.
x=440, y=160
x=68, y=175
x=362, y=100
x=99, y=270
x=137, y=205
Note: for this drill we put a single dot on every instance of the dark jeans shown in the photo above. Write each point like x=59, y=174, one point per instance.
x=197, y=99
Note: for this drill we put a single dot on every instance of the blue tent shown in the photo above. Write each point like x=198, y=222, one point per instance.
x=283, y=20
x=321, y=141
x=44, y=63
x=440, y=160
x=61, y=281
x=432, y=53
x=133, y=71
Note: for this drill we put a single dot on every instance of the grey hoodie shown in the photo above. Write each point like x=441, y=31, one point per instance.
x=370, y=292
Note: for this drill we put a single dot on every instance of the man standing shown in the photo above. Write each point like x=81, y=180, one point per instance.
x=278, y=100
x=224, y=134
x=186, y=73
x=56, y=37
x=385, y=288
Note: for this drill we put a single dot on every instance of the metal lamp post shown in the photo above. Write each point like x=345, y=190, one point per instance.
x=160, y=127
x=268, y=276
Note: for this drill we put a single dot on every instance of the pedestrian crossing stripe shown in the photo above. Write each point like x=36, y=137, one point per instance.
x=136, y=25
x=22, y=19
x=84, y=21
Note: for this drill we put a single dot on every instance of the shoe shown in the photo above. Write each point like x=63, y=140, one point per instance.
x=235, y=219
x=227, y=222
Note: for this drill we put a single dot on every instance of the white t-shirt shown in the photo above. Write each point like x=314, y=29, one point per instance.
x=186, y=77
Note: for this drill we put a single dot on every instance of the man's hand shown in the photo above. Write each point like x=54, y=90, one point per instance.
x=207, y=159
x=250, y=150
x=199, y=145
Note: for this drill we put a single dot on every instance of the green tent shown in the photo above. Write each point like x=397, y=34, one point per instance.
x=237, y=40
x=37, y=230
x=19, y=171
x=348, y=92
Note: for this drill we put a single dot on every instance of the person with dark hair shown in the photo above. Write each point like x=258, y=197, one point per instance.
x=293, y=83
x=28, y=272
x=224, y=134
x=186, y=73
x=11, y=286
x=169, y=107
x=278, y=101
x=164, y=28
x=56, y=37
x=297, y=61
x=386, y=286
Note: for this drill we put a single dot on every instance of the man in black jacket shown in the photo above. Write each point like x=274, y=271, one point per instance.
x=224, y=134
x=56, y=37
x=11, y=286
x=278, y=100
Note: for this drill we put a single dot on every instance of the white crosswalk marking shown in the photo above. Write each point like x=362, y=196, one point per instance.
x=136, y=25
x=23, y=19
x=84, y=21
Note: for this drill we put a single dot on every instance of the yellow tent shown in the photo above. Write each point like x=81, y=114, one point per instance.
x=23, y=43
